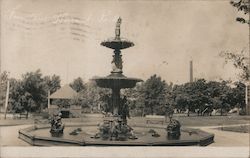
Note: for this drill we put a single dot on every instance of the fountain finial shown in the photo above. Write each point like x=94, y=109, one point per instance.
x=117, y=29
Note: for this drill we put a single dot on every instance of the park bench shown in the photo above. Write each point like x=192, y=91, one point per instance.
x=23, y=115
x=15, y=116
x=155, y=119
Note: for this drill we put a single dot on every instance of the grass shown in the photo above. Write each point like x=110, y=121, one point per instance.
x=213, y=120
x=184, y=120
x=240, y=129
x=202, y=120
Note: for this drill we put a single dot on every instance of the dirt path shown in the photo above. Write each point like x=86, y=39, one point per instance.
x=227, y=138
x=9, y=136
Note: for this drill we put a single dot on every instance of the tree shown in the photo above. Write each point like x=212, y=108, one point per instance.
x=92, y=96
x=191, y=96
x=33, y=84
x=240, y=62
x=31, y=92
x=202, y=96
x=198, y=95
x=225, y=91
x=77, y=84
x=242, y=5
x=238, y=95
x=135, y=97
x=154, y=93
x=52, y=83
x=178, y=97
x=4, y=76
x=20, y=100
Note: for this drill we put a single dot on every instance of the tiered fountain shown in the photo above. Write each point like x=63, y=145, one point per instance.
x=117, y=124
x=114, y=130
x=116, y=80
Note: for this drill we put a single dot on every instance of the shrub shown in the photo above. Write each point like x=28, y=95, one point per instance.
x=242, y=112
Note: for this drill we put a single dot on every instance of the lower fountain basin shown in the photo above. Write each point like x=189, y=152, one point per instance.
x=38, y=135
x=116, y=80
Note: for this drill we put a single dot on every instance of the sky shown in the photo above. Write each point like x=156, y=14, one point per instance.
x=63, y=37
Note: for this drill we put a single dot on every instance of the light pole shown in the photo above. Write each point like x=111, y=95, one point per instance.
x=247, y=101
x=248, y=80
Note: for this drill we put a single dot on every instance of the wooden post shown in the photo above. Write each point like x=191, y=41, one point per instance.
x=48, y=100
x=7, y=99
x=246, y=94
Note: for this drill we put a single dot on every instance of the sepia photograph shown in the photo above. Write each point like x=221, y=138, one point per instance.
x=122, y=78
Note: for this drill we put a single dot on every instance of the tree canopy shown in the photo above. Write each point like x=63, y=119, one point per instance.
x=240, y=61
x=244, y=6
x=30, y=93
x=154, y=96
x=78, y=84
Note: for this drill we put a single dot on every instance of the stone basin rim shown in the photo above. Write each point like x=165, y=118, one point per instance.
x=25, y=135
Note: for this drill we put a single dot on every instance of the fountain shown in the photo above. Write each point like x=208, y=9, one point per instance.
x=115, y=129
x=116, y=81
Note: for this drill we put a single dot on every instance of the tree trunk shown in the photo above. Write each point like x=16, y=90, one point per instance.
x=221, y=111
x=142, y=112
x=27, y=114
x=151, y=110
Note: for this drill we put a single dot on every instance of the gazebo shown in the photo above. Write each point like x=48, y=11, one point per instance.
x=64, y=93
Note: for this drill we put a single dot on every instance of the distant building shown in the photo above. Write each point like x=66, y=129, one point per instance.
x=64, y=93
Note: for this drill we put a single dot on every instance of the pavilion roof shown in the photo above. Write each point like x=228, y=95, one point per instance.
x=65, y=92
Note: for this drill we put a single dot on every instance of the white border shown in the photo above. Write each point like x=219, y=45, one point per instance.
x=125, y=152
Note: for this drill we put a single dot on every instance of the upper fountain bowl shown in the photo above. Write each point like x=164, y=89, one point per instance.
x=117, y=43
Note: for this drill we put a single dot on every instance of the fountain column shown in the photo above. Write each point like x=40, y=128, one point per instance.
x=115, y=100
x=117, y=62
x=116, y=69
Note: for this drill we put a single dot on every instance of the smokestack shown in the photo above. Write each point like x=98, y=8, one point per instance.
x=191, y=71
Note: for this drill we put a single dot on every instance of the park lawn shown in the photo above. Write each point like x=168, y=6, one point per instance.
x=240, y=129
x=194, y=121
x=15, y=122
x=197, y=121
x=213, y=120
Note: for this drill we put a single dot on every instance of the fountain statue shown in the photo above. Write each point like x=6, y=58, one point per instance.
x=118, y=28
x=57, y=126
x=174, y=129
